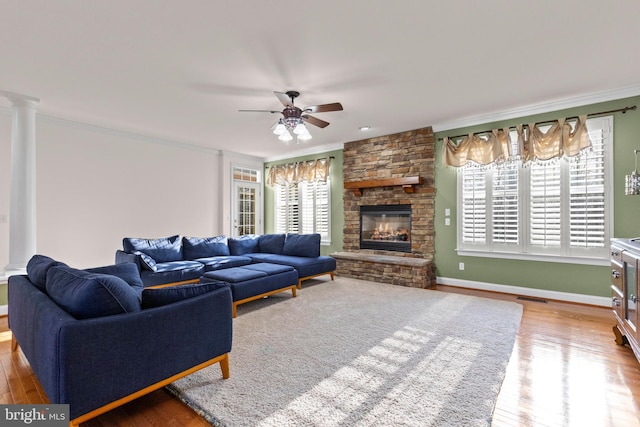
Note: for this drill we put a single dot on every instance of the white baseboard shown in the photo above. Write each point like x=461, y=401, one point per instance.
x=529, y=292
x=4, y=310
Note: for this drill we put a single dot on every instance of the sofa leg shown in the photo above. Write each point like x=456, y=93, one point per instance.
x=224, y=366
x=14, y=343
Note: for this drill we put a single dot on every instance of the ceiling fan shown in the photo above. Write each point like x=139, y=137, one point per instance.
x=294, y=118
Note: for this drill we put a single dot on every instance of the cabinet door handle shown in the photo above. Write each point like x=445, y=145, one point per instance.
x=616, y=302
x=615, y=274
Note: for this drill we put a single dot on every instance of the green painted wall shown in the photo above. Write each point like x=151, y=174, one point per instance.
x=337, y=205
x=572, y=278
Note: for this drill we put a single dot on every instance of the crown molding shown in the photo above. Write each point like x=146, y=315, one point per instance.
x=546, y=107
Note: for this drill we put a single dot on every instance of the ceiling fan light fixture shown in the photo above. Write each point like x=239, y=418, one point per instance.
x=304, y=136
x=285, y=136
x=300, y=129
x=279, y=129
x=294, y=119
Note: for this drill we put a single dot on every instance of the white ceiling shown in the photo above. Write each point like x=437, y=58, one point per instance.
x=181, y=70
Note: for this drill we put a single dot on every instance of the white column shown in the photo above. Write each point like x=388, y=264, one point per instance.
x=22, y=201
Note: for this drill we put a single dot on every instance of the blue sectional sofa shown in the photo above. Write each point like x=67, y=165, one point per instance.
x=87, y=333
x=176, y=259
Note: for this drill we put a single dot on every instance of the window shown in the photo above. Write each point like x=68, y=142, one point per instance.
x=559, y=208
x=303, y=208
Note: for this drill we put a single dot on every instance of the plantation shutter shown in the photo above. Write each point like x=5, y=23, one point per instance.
x=474, y=205
x=545, y=205
x=287, y=213
x=308, y=207
x=587, y=196
x=314, y=198
x=322, y=209
x=505, y=206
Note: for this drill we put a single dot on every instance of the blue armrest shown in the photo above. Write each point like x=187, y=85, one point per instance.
x=122, y=256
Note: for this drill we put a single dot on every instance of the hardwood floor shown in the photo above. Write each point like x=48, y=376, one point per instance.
x=566, y=370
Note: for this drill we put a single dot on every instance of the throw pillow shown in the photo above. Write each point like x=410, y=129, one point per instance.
x=163, y=249
x=204, y=247
x=305, y=245
x=147, y=262
x=127, y=271
x=247, y=244
x=86, y=295
x=37, y=268
x=271, y=243
x=158, y=297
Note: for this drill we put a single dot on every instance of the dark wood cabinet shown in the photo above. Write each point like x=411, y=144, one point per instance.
x=625, y=286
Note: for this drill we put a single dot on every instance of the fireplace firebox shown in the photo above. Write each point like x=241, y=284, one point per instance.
x=386, y=227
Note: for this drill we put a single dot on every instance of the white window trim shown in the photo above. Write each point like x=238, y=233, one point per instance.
x=490, y=250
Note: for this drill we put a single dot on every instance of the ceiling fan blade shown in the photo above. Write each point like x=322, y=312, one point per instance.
x=315, y=121
x=259, y=111
x=284, y=98
x=324, y=108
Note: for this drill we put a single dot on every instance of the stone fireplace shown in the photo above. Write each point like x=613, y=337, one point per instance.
x=381, y=174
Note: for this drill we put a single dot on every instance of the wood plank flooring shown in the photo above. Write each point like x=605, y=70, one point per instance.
x=566, y=370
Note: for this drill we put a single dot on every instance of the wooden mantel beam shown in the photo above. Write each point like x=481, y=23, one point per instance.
x=407, y=183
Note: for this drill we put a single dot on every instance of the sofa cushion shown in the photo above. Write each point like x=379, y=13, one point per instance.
x=161, y=249
x=86, y=295
x=220, y=262
x=234, y=275
x=37, y=268
x=306, y=266
x=269, y=268
x=162, y=296
x=271, y=243
x=171, y=272
x=305, y=245
x=246, y=244
x=127, y=271
x=204, y=247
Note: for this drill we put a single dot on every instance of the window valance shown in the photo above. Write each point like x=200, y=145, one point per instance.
x=561, y=139
x=294, y=173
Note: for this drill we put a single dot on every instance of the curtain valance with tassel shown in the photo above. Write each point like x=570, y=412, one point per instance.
x=294, y=173
x=560, y=140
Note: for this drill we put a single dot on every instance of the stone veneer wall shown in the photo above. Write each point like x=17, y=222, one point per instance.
x=410, y=153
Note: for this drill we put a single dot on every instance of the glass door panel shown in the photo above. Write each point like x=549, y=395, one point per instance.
x=246, y=208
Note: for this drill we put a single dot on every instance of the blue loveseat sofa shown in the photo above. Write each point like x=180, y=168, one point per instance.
x=97, y=339
x=175, y=259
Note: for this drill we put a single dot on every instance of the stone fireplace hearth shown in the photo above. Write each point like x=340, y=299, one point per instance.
x=389, y=171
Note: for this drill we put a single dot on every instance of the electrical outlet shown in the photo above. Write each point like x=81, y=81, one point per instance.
x=447, y=221
x=447, y=212
x=461, y=266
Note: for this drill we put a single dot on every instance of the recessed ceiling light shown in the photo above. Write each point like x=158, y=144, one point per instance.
x=364, y=127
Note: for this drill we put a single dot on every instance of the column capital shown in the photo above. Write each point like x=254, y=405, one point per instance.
x=20, y=100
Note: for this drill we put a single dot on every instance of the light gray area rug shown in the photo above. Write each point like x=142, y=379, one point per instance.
x=358, y=353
